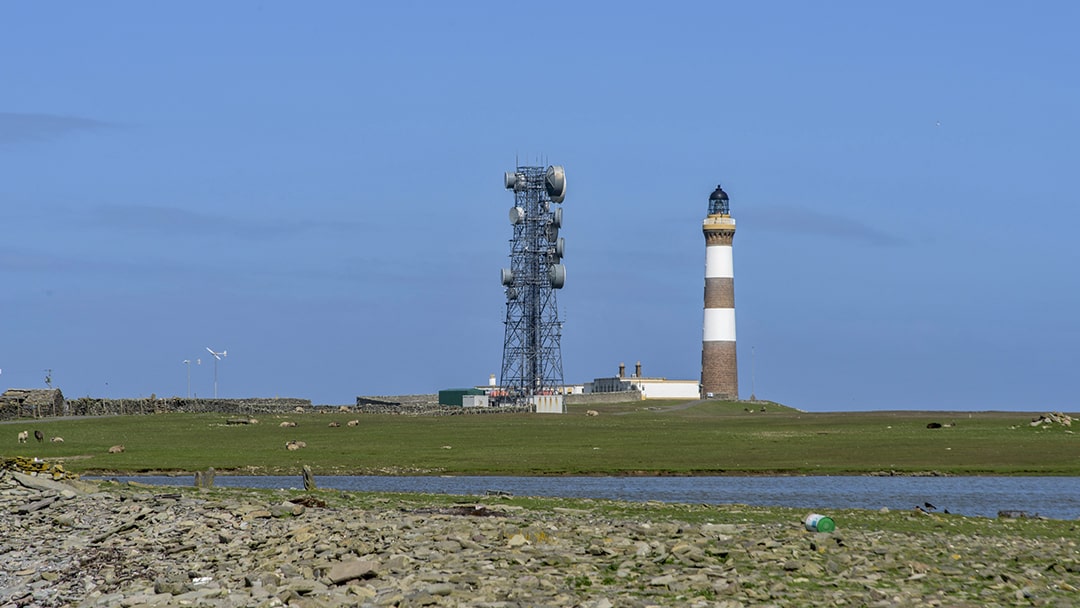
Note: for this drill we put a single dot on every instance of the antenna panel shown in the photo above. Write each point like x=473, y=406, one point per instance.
x=557, y=276
x=555, y=183
x=551, y=233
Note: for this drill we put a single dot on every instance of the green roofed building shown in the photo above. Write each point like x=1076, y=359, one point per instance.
x=453, y=396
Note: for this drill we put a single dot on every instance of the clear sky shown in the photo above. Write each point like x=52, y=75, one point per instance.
x=317, y=189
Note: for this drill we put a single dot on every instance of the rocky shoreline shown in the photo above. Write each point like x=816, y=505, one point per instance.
x=73, y=543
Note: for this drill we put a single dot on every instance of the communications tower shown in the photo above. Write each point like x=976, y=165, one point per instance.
x=532, y=354
x=719, y=372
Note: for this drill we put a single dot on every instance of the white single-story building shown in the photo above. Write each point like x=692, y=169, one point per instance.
x=650, y=388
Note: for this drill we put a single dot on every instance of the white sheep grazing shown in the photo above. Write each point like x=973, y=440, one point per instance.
x=592, y=413
x=116, y=449
x=57, y=440
x=287, y=424
x=291, y=446
x=353, y=423
x=24, y=436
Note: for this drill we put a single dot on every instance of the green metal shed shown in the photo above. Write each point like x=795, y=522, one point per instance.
x=452, y=396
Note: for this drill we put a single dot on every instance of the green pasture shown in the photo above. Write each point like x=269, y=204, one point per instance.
x=640, y=438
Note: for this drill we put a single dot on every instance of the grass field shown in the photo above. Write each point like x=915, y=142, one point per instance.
x=639, y=438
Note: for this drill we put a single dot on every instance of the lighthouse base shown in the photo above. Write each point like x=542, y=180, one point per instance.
x=719, y=371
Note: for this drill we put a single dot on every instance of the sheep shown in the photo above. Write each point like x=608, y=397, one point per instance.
x=592, y=413
x=334, y=424
x=299, y=410
x=287, y=424
x=23, y=436
x=116, y=449
x=39, y=436
x=57, y=440
x=353, y=423
x=292, y=446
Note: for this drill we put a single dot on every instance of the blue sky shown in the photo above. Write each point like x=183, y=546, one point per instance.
x=318, y=190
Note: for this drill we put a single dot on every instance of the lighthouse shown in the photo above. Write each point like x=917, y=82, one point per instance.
x=719, y=373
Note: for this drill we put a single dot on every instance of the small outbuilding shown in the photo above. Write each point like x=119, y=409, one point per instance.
x=455, y=396
x=31, y=403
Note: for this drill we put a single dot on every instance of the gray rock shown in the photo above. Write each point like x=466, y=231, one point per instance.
x=351, y=570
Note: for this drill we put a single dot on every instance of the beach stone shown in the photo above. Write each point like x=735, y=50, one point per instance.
x=121, y=545
x=350, y=570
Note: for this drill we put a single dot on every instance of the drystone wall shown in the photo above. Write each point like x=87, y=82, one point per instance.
x=591, y=398
x=427, y=405
x=87, y=406
x=30, y=403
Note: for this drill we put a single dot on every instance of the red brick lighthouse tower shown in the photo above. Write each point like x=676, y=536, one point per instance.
x=719, y=373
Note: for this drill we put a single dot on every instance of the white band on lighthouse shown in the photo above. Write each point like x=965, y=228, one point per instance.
x=718, y=262
x=719, y=325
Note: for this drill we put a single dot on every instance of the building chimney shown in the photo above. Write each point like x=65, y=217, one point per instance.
x=622, y=370
x=637, y=369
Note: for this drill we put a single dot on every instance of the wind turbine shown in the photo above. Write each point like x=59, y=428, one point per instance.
x=217, y=357
x=187, y=362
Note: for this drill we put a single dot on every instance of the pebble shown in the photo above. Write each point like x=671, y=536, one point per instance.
x=97, y=545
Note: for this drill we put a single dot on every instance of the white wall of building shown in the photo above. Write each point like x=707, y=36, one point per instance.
x=668, y=389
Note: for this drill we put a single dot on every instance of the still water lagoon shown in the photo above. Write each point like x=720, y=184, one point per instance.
x=1053, y=497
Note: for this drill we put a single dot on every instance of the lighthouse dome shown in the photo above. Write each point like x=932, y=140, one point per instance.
x=718, y=202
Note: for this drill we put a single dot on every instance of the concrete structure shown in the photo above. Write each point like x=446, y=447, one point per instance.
x=475, y=401
x=647, y=388
x=548, y=404
x=719, y=371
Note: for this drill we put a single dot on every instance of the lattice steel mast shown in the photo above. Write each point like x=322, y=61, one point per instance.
x=532, y=351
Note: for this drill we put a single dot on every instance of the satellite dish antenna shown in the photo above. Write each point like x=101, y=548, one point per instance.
x=551, y=232
x=514, y=181
x=506, y=276
x=555, y=183
x=217, y=357
x=556, y=218
x=560, y=248
x=557, y=276
x=517, y=215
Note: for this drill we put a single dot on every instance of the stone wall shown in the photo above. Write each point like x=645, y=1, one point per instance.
x=87, y=406
x=427, y=405
x=31, y=403
x=592, y=398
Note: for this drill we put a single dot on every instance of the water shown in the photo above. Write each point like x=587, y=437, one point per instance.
x=1053, y=497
